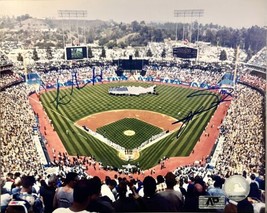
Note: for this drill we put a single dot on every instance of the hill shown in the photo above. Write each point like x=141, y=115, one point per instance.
x=113, y=34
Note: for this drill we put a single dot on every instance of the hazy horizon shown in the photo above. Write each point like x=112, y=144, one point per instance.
x=229, y=13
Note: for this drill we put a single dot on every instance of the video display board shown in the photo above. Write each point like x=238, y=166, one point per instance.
x=76, y=53
x=130, y=64
x=184, y=52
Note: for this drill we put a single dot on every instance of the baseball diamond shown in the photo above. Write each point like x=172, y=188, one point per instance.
x=143, y=134
x=93, y=107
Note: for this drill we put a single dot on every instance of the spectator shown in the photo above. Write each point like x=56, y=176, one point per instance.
x=99, y=203
x=81, y=198
x=175, y=198
x=33, y=202
x=245, y=206
x=9, y=182
x=153, y=201
x=195, y=189
x=47, y=192
x=5, y=197
x=254, y=191
x=16, y=186
x=124, y=203
x=161, y=185
x=217, y=189
x=64, y=195
x=106, y=189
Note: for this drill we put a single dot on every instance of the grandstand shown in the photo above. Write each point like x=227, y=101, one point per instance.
x=257, y=64
x=7, y=76
x=259, y=59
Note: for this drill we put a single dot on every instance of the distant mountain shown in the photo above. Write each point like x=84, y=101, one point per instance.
x=29, y=23
x=32, y=24
x=67, y=24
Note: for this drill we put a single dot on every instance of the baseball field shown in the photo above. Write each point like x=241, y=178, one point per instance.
x=128, y=121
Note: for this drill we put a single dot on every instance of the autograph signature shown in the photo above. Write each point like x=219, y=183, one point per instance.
x=202, y=109
x=58, y=99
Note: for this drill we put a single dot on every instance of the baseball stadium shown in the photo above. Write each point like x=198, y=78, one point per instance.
x=186, y=121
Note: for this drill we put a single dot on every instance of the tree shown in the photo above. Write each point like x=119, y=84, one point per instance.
x=157, y=35
x=103, y=53
x=223, y=55
x=163, y=54
x=149, y=53
x=91, y=34
x=102, y=41
x=249, y=55
x=136, y=53
x=20, y=57
x=90, y=53
x=135, y=26
x=122, y=26
x=23, y=17
x=49, y=53
x=235, y=55
x=35, y=55
x=122, y=45
x=255, y=38
x=111, y=44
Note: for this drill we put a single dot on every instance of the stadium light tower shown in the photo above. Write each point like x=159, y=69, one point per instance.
x=71, y=14
x=236, y=64
x=188, y=13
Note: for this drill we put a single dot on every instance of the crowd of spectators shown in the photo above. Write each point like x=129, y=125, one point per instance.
x=187, y=75
x=242, y=128
x=85, y=73
x=18, y=151
x=174, y=192
x=4, y=60
x=82, y=73
x=255, y=81
x=9, y=79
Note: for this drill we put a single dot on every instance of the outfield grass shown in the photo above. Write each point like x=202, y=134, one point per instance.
x=115, y=132
x=172, y=101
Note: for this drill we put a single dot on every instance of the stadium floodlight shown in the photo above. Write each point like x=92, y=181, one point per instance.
x=71, y=14
x=236, y=64
x=188, y=13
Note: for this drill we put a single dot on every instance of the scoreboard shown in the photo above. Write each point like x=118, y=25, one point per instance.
x=76, y=52
x=184, y=52
x=130, y=64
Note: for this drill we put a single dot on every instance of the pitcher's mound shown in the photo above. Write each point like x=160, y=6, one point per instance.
x=129, y=132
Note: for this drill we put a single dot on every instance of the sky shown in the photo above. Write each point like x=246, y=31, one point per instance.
x=230, y=13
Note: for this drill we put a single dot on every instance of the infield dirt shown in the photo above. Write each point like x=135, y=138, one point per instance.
x=97, y=120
